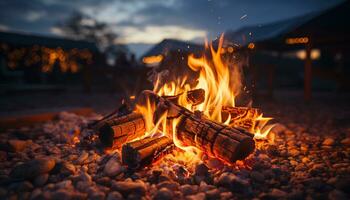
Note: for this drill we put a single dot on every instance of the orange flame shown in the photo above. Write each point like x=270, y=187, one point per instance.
x=222, y=82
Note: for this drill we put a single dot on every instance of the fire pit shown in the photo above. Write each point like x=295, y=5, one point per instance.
x=179, y=141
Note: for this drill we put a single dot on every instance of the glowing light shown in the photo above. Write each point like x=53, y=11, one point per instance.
x=152, y=59
x=299, y=40
x=251, y=45
x=315, y=54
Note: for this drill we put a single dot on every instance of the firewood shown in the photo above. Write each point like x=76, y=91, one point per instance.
x=226, y=143
x=146, y=151
x=193, y=97
x=115, y=132
x=241, y=117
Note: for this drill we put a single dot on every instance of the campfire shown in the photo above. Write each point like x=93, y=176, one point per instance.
x=199, y=119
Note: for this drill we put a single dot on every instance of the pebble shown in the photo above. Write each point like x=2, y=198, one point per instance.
x=114, y=195
x=33, y=168
x=257, y=176
x=41, y=180
x=198, y=196
x=337, y=195
x=112, y=168
x=345, y=141
x=129, y=187
x=293, y=152
x=18, y=145
x=233, y=182
x=163, y=194
x=84, y=155
x=188, y=189
x=328, y=142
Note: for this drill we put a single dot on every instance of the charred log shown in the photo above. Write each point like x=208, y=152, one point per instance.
x=217, y=140
x=146, y=151
x=193, y=97
x=117, y=131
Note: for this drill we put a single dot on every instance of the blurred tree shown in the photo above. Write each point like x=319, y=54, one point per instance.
x=81, y=26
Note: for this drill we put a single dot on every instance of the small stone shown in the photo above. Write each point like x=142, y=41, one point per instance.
x=293, y=152
x=345, y=141
x=114, y=196
x=24, y=186
x=66, y=184
x=233, y=182
x=35, y=194
x=67, y=169
x=199, y=196
x=32, y=168
x=188, y=189
x=169, y=185
x=41, y=180
x=128, y=187
x=257, y=176
x=83, y=156
x=18, y=145
x=112, y=168
x=212, y=194
x=328, y=142
x=226, y=195
x=277, y=194
x=214, y=163
x=164, y=194
x=201, y=170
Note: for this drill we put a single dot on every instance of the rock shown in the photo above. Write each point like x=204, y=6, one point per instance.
x=257, y=176
x=212, y=194
x=293, y=152
x=85, y=177
x=66, y=194
x=226, y=195
x=67, y=169
x=95, y=194
x=84, y=156
x=328, y=142
x=337, y=195
x=169, y=185
x=66, y=184
x=36, y=193
x=345, y=141
x=295, y=195
x=33, y=168
x=188, y=189
x=41, y=180
x=199, y=196
x=114, y=196
x=18, y=145
x=24, y=186
x=112, y=168
x=277, y=194
x=233, y=182
x=128, y=187
x=201, y=170
x=163, y=194
x=214, y=163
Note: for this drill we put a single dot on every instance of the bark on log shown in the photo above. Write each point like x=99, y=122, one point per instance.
x=241, y=117
x=217, y=140
x=194, y=97
x=146, y=151
x=117, y=131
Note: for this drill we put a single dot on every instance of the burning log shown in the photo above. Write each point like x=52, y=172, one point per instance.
x=241, y=117
x=117, y=131
x=146, y=151
x=217, y=140
x=193, y=97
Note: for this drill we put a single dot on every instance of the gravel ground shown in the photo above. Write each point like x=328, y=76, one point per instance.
x=309, y=159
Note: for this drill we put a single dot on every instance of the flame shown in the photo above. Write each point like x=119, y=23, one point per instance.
x=222, y=82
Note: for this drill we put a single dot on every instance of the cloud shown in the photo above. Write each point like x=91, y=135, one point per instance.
x=153, y=34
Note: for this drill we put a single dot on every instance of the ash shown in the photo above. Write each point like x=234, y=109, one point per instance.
x=308, y=159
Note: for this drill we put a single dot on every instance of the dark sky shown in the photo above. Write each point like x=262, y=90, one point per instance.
x=141, y=23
